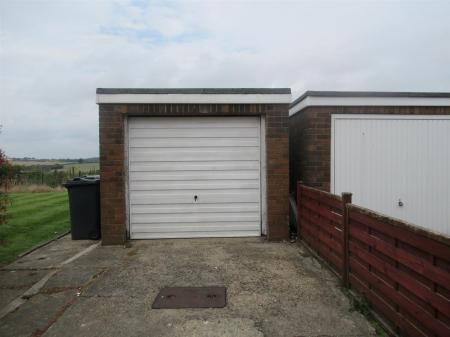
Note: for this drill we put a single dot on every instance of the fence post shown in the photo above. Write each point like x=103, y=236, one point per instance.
x=299, y=183
x=346, y=199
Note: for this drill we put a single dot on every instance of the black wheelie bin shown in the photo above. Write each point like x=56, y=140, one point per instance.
x=84, y=204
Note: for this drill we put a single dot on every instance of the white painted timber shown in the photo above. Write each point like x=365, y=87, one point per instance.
x=195, y=98
x=385, y=160
x=367, y=101
x=174, y=159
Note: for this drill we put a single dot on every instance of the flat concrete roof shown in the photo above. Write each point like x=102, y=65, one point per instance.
x=194, y=91
x=194, y=95
x=313, y=93
x=368, y=98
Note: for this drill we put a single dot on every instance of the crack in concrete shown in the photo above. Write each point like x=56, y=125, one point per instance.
x=56, y=290
x=54, y=319
x=80, y=287
x=62, y=310
x=35, y=289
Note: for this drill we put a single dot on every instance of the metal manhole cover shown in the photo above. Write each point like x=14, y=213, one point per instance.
x=191, y=297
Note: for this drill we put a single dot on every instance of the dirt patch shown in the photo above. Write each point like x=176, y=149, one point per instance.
x=56, y=290
x=132, y=252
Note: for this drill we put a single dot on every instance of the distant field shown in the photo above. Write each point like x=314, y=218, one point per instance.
x=68, y=165
x=81, y=167
x=35, y=218
x=37, y=162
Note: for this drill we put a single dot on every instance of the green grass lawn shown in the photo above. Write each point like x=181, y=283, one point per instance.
x=34, y=218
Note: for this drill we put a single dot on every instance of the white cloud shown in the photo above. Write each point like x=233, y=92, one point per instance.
x=53, y=54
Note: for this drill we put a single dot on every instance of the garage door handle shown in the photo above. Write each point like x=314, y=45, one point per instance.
x=195, y=198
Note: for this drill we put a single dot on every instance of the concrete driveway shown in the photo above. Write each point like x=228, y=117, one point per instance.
x=274, y=289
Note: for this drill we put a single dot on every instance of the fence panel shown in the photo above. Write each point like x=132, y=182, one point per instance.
x=320, y=224
x=402, y=270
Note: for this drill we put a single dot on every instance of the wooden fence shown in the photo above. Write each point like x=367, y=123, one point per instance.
x=402, y=270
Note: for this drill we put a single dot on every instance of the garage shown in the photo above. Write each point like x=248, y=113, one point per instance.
x=390, y=150
x=193, y=163
x=194, y=177
x=396, y=165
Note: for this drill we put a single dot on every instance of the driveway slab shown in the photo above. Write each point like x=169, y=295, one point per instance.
x=13, y=283
x=273, y=289
x=49, y=256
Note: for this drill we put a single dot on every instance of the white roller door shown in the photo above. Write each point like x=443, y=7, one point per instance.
x=397, y=165
x=194, y=177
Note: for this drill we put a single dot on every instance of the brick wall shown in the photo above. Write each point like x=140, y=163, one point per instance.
x=310, y=139
x=113, y=170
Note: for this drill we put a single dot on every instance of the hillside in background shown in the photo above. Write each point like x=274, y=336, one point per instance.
x=27, y=161
x=50, y=172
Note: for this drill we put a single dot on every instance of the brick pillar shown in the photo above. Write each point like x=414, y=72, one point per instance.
x=277, y=156
x=112, y=185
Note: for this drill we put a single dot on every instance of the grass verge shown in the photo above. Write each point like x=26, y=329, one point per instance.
x=33, y=218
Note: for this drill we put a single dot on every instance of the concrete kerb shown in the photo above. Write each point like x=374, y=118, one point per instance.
x=29, y=251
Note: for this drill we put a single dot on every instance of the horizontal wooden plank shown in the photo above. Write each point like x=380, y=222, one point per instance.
x=324, y=224
x=418, y=230
x=161, y=185
x=323, y=211
x=323, y=197
x=192, y=142
x=193, y=175
x=418, y=289
x=326, y=245
x=194, y=132
x=230, y=165
x=408, y=305
x=187, y=197
x=322, y=248
x=401, y=233
x=385, y=310
x=192, y=122
x=325, y=237
x=416, y=263
x=196, y=208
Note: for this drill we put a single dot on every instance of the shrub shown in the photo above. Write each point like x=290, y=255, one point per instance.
x=5, y=170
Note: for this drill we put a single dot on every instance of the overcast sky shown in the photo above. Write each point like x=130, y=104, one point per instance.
x=53, y=54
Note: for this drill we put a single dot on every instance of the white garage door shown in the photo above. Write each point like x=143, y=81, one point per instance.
x=397, y=165
x=194, y=177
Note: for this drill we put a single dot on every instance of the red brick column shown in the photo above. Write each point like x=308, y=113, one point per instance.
x=277, y=157
x=112, y=173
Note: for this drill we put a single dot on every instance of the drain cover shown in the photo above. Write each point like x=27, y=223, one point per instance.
x=191, y=297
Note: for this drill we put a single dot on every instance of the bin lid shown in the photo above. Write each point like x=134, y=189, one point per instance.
x=84, y=180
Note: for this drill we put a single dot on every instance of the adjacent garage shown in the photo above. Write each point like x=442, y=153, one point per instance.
x=390, y=150
x=183, y=163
